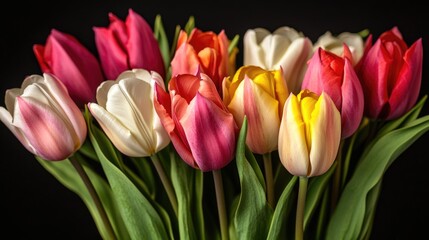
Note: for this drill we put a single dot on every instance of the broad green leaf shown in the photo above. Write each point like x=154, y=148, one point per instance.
x=347, y=220
x=280, y=213
x=140, y=216
x=253, y=215
x=316, y=188
x=371, y=205
x=66, y=174
x=162, y=39
x=183, y=178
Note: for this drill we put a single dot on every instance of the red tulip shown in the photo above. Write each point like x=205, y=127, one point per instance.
x=79, y=70
x=200, y=126
x=334, y=75
x=391, y=75
x=128, y=45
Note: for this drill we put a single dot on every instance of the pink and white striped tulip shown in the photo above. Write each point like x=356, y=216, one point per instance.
x=200, y=126
x=126, y=113
x=285, y=48
x=310, y=134
x=336, y=76
x=44, y=118
x=128, y=45
x=73, y=64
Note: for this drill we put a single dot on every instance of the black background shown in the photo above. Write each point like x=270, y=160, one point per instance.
x=35, y=205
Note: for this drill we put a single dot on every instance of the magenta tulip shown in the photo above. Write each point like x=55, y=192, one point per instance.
x=128, y=45
x=200, y=126
x=334, y=75
x=65, y=57
x=391, y=75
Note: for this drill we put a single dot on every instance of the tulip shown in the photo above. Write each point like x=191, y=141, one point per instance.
x=391, y=75
x=336, y=76
x=206, y=51
x=72, y=63
x=44, y=118
x=126, y=113
x=335, y=44
x=310, y=133
x=128, y=45
x=200, y=126
x=260, y=95
x=285, y=48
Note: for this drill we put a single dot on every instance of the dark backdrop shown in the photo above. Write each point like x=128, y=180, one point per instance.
x=35, y=205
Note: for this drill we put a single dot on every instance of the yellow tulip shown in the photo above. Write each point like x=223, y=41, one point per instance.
x=310, y=133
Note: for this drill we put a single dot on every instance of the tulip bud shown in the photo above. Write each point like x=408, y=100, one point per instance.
x=285, y=48
x=73, y=64
x=128, y=45
x=336, y=76
x=44, y=118
x=310, y=133
x=258, y=94
x=127, y=115
x=205, y=50
x=391, y=75
x=200, y=126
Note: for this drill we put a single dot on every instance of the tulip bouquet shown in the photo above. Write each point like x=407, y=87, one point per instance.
x=173, y=139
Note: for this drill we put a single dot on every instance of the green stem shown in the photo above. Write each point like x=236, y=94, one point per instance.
x=220, y=199
x=302, y=194
x=165, y=182
x=337, y=176
x=94, y=196
x=269, y=178
x=347, y=160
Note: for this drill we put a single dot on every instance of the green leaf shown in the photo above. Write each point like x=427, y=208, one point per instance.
x=280, y=213
x=162, y=39
x=140, y=217
x=183, y=178
x=190, y=25
x=316, y=188
x=347, y=220
x=233, y=43
x=253, y=212
x=66, y=174
x=371, y=203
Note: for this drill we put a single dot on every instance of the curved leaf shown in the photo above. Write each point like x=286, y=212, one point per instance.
x=347, y=220
x=252, y=211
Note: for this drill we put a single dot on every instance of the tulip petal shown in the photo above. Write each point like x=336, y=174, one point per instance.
x=292, y=145
x=406, y=91
x=211, y=134
x=142, y=42
x=263, y=116
x=6, y=118
x=325, y=135
x=44, y=129
x=118, y=133
x=185, y=60
x=352, y=101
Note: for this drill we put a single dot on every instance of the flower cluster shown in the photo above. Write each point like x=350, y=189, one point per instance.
x=288, y=136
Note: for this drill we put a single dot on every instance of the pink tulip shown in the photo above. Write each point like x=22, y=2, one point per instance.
x=334, y=75
x=65, y=57
x=205, y=50
x=128, y=45
x=44, y=118
x=391, y=75
x=200, y=126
